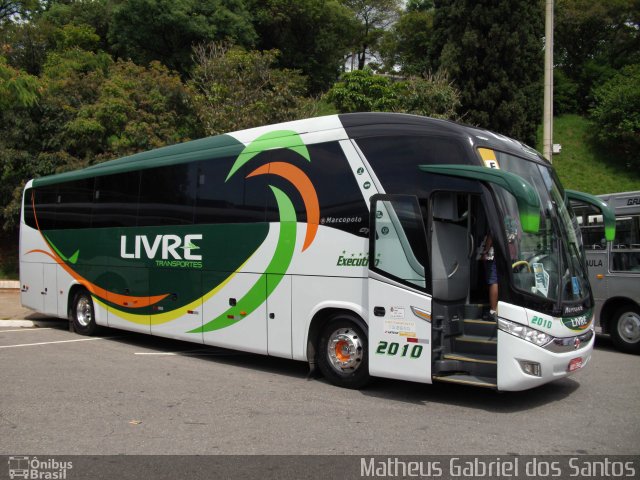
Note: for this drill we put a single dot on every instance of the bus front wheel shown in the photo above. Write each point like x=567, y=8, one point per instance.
x=343, y=353
x=83, y=314
x=625, y=329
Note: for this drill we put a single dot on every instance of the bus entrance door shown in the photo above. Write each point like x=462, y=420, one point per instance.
x=464, y=344
x=399, y=309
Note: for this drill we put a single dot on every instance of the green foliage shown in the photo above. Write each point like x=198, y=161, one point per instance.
x=90, y=109
x=493, y=52
x=17, y=88
x=363, y=91
x=431, y=95
x=313, y=36
x=375, y=17
x=594, y=39
x=616, y=113
x=232, y=89
x=565, y=93
x=583, y=164
x=407, y=43
x=166, y=30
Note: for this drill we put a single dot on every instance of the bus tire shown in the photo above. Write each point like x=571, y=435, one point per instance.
x=83, y=314
x=343, y=356
x=625, y=329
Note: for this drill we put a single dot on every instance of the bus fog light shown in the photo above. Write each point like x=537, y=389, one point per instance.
x=531, y=368
x=529, y=334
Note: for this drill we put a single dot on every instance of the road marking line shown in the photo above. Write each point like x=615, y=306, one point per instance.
x=50, y=343
x=194, y=353
x=156, y=353
x=26, y=329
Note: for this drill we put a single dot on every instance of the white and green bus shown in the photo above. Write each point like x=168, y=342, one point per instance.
x=350, y=242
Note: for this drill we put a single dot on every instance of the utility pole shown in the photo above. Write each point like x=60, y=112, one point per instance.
x=547, y=129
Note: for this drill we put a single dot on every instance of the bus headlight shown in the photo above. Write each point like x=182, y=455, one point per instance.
x=529, y=334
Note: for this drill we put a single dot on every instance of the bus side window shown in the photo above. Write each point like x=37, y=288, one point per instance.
x=75, y=204
x=591, y=225
x=46, y=203
x=625, y=249
x=115, y=201
x=219, y=200
x=29, y=217
x=167, y=195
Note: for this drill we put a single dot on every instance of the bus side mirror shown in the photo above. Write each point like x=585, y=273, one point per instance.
x=608, y=215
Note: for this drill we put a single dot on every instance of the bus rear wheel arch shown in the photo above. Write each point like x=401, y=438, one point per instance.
x=624, y=328
x=83, y=313
x=342, y=351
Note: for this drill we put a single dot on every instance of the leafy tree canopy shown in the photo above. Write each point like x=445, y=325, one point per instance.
x=175, y=26
x=313, y=36
x=617, y=113
x=493, y=51
x=233, y=89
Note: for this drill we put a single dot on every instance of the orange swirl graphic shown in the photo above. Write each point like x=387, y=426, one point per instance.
x=308, y=192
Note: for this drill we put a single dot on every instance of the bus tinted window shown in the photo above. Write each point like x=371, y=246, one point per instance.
x=46, y=202
x=396, y=159
x=220, y=201
x=167, y=195
x=116, y=200
x=29, y=219
x=591, y=225
x=625, y=249
x=74, y=204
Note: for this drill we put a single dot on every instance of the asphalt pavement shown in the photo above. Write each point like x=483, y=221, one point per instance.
x=126, y=393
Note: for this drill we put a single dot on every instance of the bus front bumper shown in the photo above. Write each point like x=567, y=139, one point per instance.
x=523, y=365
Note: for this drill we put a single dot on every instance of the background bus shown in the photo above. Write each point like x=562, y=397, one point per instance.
x=614, y=267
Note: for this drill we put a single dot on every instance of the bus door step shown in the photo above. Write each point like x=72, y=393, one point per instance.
x=467, y=380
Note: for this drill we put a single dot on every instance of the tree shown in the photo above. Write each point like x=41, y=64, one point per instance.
x=233, y=89
x=11, y=10
x=407, y=44
x=166, y=30
x=493, y=52
x=17, y=88
x=364, y=91
x=90, y=108
x=313, y=36
x=617, y=113
x=593, y=40
x=375, y=16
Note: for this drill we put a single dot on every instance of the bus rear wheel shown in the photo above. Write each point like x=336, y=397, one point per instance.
x=343, y=353
x=83, y=314
x=625, y=329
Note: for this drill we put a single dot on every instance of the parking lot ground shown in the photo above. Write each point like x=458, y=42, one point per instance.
x=126, y=393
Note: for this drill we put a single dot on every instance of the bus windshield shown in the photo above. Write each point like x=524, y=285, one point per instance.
x=549, y=263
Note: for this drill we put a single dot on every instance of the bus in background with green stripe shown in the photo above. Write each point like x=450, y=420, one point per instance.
x=356, y=243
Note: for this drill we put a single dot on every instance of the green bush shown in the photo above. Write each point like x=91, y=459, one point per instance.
x=364, y=91
x=616, y=113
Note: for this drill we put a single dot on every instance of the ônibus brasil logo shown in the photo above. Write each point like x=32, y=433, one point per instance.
x=166, y=246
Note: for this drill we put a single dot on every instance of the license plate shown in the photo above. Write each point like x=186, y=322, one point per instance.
x=575, y=364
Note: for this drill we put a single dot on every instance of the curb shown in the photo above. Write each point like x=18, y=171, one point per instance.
x=17, y=323
x=28, y=323
x=9, y=284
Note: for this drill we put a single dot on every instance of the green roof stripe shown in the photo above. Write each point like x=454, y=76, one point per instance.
x=195, y=150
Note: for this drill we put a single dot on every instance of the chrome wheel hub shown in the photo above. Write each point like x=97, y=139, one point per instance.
x=345, y=350
x=83, y=312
